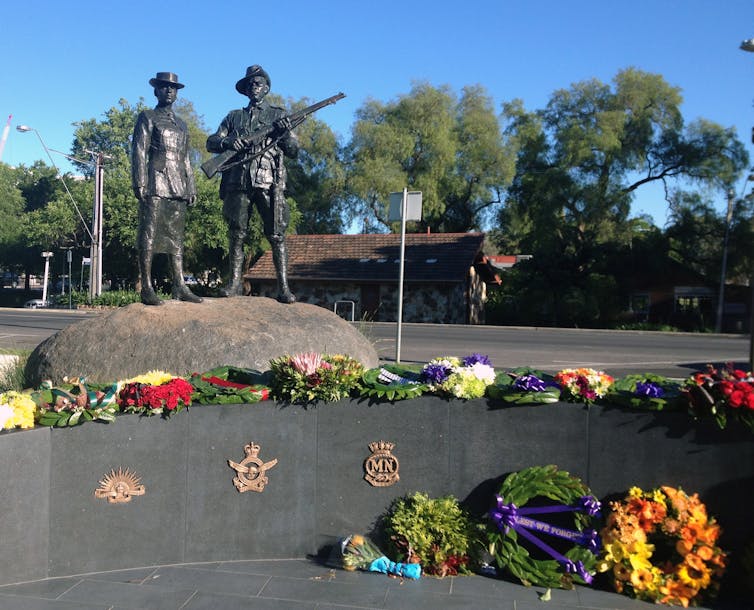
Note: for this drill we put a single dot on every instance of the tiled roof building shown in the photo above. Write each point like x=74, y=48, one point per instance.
x=441, y=283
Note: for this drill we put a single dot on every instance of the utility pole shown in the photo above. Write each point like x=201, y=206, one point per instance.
x=724, y=266
x=95, y=251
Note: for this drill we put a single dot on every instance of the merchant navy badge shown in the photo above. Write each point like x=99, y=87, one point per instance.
x=251, y=471
x=382, y=466
x=119, y=487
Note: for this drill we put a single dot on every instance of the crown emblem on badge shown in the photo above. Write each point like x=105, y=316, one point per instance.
x=381, y=468
x=381, y=447
x=250, y=472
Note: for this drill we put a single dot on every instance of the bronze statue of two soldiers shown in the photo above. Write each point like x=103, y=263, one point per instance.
x=251, y=144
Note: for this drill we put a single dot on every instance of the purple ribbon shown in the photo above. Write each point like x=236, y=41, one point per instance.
x=505, y=516
x=509, y=516
x=590, y=505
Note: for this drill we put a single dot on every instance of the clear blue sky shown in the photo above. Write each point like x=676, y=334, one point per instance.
x=68, y=61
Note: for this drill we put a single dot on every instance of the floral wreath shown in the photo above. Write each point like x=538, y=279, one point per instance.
x=310, y=376
x=662, y=547
x=583, y=384
x=392, y=382
x=511, y=524
x=525, y=386
x=466, y=378
x=647, y=392
x=154, y=393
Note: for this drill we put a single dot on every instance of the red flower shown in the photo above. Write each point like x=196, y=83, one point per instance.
x=168, y=395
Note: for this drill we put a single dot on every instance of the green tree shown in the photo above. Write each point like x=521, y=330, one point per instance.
x=51, y=216
x=111, y=136
x=11, y=208
x=448, y=148
x=316, y=177
x=580, y=161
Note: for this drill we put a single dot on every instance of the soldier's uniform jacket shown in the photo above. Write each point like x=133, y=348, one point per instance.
x=160, y=157
x=262, y=171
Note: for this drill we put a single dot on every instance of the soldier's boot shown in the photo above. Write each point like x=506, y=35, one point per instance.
x=181, y=292
x=235, y=285
x=148, y=295
x=280, y=258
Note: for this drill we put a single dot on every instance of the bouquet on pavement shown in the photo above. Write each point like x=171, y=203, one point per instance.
x=360, y=553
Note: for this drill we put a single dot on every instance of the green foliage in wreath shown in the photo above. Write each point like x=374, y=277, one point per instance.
x=624, y=392
x=520, y=488
x=392, y=382
x=229, y=385
x=505, y=388
x=74, y=403
x=436, y=532
x=310, y=377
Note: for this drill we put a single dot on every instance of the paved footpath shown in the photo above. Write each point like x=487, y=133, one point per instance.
x=294, y=584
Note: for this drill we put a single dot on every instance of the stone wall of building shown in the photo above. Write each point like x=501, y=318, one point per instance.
x=429, y=303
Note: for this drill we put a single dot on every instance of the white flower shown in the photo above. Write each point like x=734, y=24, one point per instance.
x=483, y=372
x=6, y=415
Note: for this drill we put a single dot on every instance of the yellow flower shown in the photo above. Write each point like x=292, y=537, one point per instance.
x=659, y=497
x=635, y=492
x=641, y=579
x=694, y=578
x=640, y=549
x=614, y=552
x=640, y=563
x=151, y=378
x=22, y=407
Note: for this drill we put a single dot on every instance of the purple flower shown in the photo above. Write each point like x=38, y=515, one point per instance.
x=649, y=389
x=476, y=358
x=529, y=383
x=435, y=373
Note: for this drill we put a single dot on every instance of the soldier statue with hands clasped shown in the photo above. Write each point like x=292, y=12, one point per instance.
x=163, y=182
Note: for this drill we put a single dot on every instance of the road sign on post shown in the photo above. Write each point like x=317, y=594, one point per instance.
x=403, y=206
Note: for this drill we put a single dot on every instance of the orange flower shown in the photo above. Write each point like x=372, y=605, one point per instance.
x=676, y=593
x=671, y=526
x=705, y=553
x=678, y=499
x=695, y=562
x=690, y=532
x=683, y=547
x=709, y=534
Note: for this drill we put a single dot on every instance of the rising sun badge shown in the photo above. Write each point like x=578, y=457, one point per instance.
x=118, y=487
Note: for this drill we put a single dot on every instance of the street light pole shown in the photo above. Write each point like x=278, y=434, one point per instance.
x=724, y=266
x=46, y=256
x=95, y=253
x=748, y=46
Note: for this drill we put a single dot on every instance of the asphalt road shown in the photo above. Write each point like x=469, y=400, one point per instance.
x=24, y=329
x=549, y=349
x=552, y=349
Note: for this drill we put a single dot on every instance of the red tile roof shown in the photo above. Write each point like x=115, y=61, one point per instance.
x=434, y=257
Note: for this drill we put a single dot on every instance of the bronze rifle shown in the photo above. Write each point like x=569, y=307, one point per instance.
x=230, y=158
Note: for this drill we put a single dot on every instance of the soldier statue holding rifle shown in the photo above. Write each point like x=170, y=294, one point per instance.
x=251, y=143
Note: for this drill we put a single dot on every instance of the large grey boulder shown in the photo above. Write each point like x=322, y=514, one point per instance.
x=183, y=338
